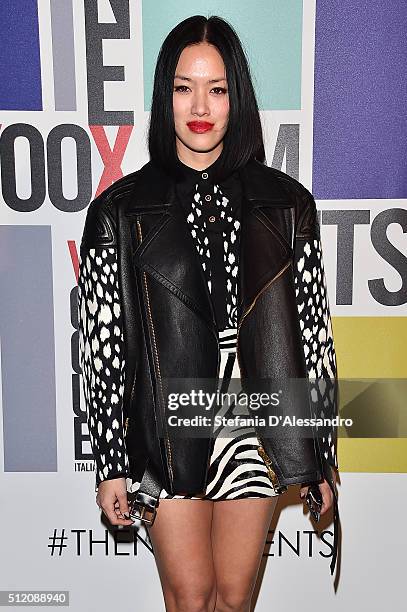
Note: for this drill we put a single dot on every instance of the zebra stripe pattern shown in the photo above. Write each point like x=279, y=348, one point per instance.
x=236, y=471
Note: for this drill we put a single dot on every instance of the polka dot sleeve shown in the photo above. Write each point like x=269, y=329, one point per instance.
x=316, y=330
x=102, y=360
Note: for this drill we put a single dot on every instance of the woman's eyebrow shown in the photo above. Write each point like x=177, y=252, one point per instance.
x=185, y=78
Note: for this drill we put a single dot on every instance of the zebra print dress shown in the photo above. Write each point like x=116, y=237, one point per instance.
x=236, y=471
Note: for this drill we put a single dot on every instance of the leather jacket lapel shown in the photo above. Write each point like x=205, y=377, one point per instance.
x=168, y=254
x=167, y=251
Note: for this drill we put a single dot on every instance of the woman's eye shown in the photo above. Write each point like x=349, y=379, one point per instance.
x=218, y=90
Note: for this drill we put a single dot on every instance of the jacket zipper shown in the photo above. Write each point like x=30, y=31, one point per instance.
x=126, y=424
x=271, y=473
x=157, y=364
x=260, y=449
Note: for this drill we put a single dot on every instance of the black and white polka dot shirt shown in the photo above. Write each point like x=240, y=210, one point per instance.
x=213, y=213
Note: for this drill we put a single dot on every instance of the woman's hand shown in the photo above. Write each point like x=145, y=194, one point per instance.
x=326, y=492
x=112, y=500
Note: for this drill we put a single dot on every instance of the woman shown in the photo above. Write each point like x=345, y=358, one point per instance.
x=203, y=255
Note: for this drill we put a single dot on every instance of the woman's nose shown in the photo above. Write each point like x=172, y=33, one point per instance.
x=200, y=104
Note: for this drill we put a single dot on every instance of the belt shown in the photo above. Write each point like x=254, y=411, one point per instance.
x=144, y=505
x=329, y=478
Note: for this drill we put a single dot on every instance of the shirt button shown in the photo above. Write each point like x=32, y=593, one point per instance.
x=208, y=198
x=212, y=219
x=204, y=175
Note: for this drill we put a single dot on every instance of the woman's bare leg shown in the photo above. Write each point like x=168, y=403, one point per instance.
x=181, y=539
x=239, y=533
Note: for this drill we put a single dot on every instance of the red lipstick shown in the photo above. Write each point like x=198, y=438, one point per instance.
x=200, y=126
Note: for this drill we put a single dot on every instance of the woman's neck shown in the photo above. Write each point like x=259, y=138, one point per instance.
x=197, y=160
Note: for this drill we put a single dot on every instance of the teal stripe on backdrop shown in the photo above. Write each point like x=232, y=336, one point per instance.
x=270, y=30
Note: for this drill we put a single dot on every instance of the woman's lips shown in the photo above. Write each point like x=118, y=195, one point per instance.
x=200, y=126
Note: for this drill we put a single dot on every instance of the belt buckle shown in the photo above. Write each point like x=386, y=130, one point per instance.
x=139, y=511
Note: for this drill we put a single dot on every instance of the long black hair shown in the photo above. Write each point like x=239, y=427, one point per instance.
x=243, y=139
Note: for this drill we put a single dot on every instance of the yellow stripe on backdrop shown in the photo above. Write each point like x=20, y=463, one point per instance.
x=373, y=348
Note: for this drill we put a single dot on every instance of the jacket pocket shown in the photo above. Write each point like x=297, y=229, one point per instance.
x=151, y=226
x=279, y=223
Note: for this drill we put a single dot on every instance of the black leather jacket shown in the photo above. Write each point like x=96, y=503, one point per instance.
x=137, y=248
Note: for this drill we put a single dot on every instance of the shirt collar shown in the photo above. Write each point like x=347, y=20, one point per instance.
x=189, y=177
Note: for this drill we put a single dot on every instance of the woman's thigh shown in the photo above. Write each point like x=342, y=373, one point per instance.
x=181, y=539
x=239, y=533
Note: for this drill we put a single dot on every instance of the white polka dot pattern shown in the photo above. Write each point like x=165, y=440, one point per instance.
x=102, y=360
x=199, y=232
x=316, y=329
